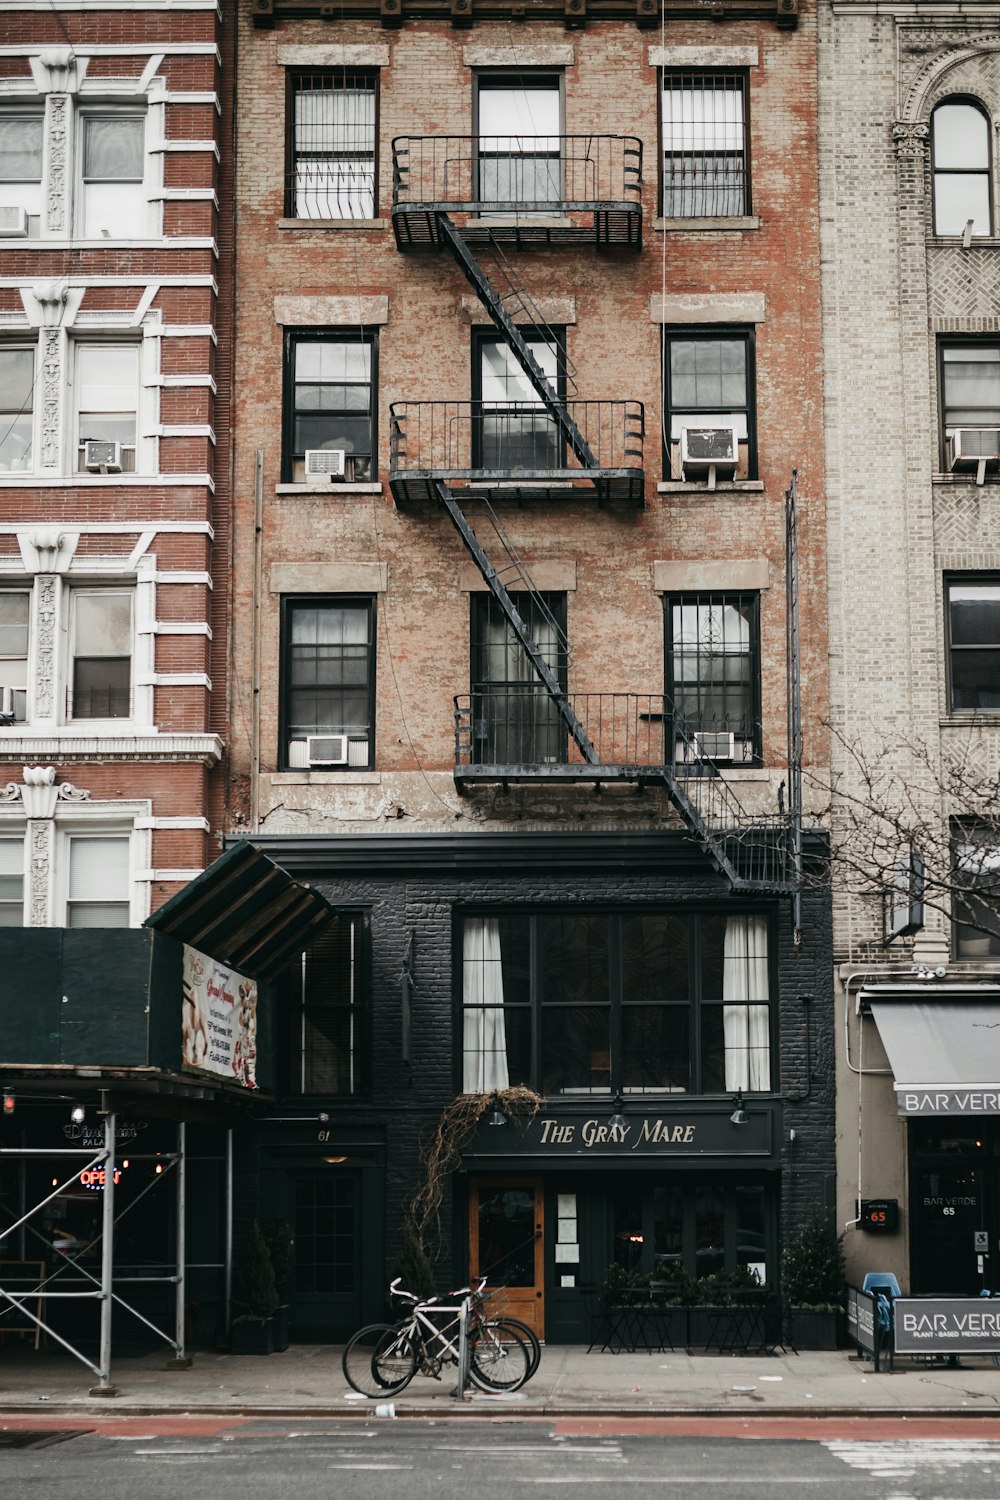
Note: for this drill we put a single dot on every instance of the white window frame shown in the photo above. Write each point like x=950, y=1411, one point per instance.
x=26, y=193
x=131, y=819
x=69, y=837
x=75, y=592
x=23, y=343
x=12, y=835
x=94, y=110
x=83, y=340
x=19, y=588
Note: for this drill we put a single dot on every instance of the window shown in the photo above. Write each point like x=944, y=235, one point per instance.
x=21, y=141
x=709, y=382
x=98, y=893
x=973, y=606
x=11, y=882
x=976, y=915
x=703, y=1228
x=511, y=435
x=587, y=1002
x=970, y=399
x=331, y=171
x=518, y=131
x=515, y=721
x=328, y=698
x=17, y=391
x=100, y=682
x=112, y=171
x=107, y=398
x=330, y=401
x=324, y=1003
x=713, y=674
x=704, y=145
x=960, y=156
x=15, y=615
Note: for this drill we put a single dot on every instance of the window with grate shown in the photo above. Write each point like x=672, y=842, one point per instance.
x=515, y=720
x=704, y=131
x=713, y=675
x=333, y=130
x=326, y=1012
x=973, y=618
x=328, y=683
x=960, y=166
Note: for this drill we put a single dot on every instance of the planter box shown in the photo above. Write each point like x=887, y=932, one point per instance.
x=280, y=1324
x=812, y=1327
x=252, y=1337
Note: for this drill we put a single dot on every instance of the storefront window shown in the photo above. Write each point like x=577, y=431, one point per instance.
x=706, y=1228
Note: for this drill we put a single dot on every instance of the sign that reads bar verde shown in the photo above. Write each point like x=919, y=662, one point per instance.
x=946, y=1325
x=971, y=1101
x=219, y=1020
x=642, y=1135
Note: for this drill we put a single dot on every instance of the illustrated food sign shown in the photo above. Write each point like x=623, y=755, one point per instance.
x=219, y=1020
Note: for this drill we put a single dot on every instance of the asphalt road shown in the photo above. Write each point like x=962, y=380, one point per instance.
x=418, y=1460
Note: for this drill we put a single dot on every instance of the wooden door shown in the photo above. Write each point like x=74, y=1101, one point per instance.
x=507, y=1244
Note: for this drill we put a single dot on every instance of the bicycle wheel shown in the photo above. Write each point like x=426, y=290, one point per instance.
x=530, y=1338
x=380, y=1360
x=499, y=1357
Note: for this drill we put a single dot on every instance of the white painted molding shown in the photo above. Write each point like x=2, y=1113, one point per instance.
x=198, y=825
x=172, y=876
x=20, y=744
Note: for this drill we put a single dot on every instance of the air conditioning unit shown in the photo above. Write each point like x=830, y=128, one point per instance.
x=318, y=750
x=100, y=457
x=715, y=746
x=12, y=705
x=13, y=221
x=709, y=450
x=325, y=463
x=974, y=448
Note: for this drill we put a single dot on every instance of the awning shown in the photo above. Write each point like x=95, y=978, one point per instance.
x=246, y=912
x=945, y=1057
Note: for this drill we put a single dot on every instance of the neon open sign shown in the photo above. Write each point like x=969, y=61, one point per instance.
x=95, y=1178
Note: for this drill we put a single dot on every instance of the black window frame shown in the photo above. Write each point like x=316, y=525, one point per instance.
x=971, y=102
x=298, y=987
x=708, y=334
x=294, y=337
x=968, y=649
x=957, y=342
x=289, y=604
x=547, y=732
x=729, y=79
x=482, y=338
x=332, y=77
x=973, y=830
x=700, y=973
x=537, y=80
x=740, y=598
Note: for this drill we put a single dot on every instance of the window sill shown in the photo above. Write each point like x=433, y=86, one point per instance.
x=331, y=488
x=737, y=224
x=973, y=718
x=967, y=476
x=326, y=224
x=326, y=778
x=722, y=486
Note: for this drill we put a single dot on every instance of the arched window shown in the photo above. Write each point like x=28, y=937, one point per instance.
x=960, y=144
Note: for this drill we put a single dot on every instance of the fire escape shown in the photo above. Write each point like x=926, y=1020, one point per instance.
x=465, y=455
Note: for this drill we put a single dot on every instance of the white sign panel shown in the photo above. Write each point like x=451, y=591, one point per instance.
x=219, y=1020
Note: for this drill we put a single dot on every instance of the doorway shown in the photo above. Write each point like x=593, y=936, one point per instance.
x=507, y=1244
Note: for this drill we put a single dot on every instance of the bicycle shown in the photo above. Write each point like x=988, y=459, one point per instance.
x=381, y=1359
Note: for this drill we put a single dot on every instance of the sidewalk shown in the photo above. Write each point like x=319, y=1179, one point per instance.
x=306, y=1380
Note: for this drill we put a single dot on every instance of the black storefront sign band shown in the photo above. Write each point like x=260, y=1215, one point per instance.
x=661, y=1136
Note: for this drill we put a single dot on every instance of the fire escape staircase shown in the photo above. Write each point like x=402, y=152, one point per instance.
x=750, y=852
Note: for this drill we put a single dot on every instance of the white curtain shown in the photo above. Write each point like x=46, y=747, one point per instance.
x=745, y=1010
x=484, y=1035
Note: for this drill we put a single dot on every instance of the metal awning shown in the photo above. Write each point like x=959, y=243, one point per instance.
x=246, y=912
x=945, y=1057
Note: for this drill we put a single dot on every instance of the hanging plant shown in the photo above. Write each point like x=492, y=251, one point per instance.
x=443, y=1153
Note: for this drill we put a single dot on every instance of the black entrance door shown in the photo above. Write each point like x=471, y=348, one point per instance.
x=326, y=1254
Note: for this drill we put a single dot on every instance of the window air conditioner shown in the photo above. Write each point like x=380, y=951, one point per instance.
x=13, y=221
x=974, y=448
x=715, y=746
x=13, y=705
x=101, y=457
x=707, y=450
x=325, y=463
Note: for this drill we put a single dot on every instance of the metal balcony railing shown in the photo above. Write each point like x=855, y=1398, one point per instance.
x=549, y=189
x=516, y=449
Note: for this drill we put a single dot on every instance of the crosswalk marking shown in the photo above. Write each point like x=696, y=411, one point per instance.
x=900, y=1458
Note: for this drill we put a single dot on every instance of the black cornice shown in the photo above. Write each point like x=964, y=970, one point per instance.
x=574, y=14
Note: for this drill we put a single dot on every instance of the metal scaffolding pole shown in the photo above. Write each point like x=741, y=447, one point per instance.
x=105, y=1388
x=228, y=1271
x=180, y=1353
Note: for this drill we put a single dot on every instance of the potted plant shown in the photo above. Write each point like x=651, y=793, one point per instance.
x=812, y=1282
x=278, y=1238
x=255, y=1297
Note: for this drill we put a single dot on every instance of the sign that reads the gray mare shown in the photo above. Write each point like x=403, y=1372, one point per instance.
x=947, y=1325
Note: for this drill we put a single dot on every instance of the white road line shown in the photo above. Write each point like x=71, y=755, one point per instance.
x=902, y=1456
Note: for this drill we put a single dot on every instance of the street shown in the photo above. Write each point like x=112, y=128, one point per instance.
x=159, y=1458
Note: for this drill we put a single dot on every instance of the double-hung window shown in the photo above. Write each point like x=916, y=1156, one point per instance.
x=703, y=123
x=976, y=877
x=970, y=401
x=709, y=380
x=960, y=161
x=17, y=401
x=589, y=1002
x=518, y=140
x=973, y=619
x=107, y=407
x=98, y=880
x=515, y=432
x=11, y=882
x=328, y=683
x=514, y=718
x=100, y=677
x=15, y=619
x=332, y=141
x=21, y=141
x=325, y=1007
x=330, y=406
x=112, y=172
x=713, y=676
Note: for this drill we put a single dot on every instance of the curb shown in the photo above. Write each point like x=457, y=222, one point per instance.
x=469, y=1412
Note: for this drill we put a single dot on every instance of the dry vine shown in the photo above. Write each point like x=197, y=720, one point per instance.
x=453, y=1132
